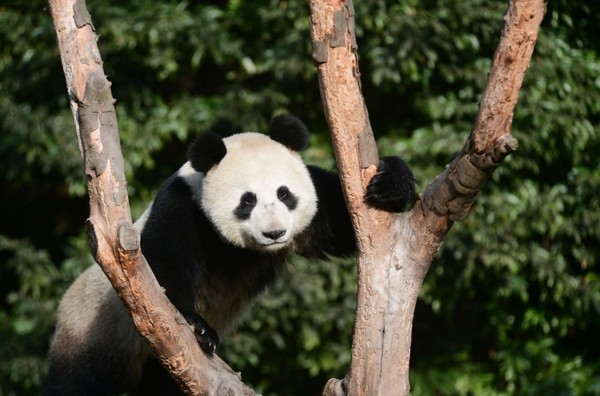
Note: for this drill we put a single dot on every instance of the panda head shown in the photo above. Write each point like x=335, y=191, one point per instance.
x=256, y=190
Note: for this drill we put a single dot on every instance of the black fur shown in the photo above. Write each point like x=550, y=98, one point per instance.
x=330, y=233
x=207, y=337
x=289, y=131
x=393, y=187
x=206, y=151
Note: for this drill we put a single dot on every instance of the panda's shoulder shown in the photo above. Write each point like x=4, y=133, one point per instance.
x=175, y=204
x=181, y=185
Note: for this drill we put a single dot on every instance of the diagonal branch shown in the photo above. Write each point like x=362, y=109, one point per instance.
x=452, y=193
x=115, y=244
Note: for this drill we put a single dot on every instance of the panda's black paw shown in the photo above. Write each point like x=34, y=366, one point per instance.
x=393, y=187
x=207, y=337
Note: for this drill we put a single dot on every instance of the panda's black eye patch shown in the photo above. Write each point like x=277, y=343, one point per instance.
x=285, y=195
x=244, y=208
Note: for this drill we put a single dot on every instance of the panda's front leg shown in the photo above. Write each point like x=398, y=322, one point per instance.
x=207, y=337
x=393, y=187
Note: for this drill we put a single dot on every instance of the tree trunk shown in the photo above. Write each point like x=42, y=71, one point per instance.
x=396, y=250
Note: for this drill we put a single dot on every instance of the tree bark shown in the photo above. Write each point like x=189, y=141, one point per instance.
x=115, y=244
x=396, y=250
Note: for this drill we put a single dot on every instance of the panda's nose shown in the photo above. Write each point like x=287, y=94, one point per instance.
x=274, y=235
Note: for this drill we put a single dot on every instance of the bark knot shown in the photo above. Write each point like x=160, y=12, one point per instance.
x=453, y=192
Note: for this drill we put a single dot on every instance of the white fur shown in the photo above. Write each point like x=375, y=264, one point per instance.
x=88, y=312
x=141, y=221
x=193, y=179
x=256, y=163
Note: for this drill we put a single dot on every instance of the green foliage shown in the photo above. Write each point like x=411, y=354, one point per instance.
x=32, y=286
x=510, y=306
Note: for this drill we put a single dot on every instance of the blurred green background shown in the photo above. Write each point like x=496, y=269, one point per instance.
x=511, y=303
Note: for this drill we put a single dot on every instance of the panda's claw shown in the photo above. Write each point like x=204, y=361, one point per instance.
x=207, y=337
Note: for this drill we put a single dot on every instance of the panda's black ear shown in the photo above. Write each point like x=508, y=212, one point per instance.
x=206, y=151
x=289, y=131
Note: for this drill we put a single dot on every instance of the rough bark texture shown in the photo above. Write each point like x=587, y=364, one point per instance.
x=114, y=242
x=395, y=251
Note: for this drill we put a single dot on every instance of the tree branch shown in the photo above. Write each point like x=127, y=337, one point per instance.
x=452, y=193
x=395, y=251
x=115, y=244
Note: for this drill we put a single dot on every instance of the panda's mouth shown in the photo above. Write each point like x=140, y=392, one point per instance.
x=273, y=245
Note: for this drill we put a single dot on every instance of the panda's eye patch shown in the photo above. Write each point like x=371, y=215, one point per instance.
x=247, y=203
x=285, y=195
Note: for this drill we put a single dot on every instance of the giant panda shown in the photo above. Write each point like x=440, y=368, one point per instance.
x=217, y=233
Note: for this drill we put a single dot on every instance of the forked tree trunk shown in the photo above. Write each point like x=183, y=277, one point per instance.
x=395, y=251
